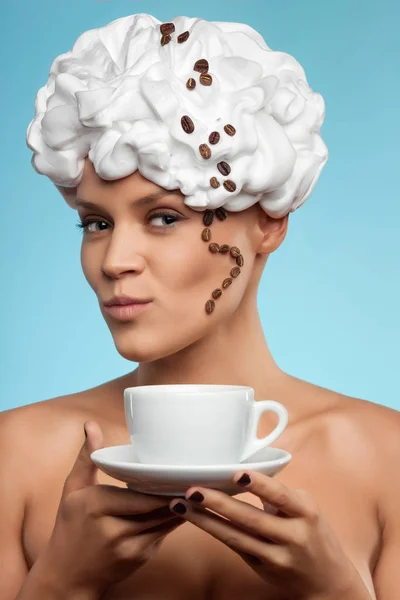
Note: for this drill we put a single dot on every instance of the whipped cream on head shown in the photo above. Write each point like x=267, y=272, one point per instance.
x=120, y=95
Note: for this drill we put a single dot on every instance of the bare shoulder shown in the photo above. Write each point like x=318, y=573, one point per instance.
x=48, y=432
x=377, y=424
x=364, y=436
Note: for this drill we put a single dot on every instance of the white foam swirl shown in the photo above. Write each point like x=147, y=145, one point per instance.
x=118, y=97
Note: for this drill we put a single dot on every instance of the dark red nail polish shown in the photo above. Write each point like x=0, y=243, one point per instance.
x=196, y=497
x=244, y=480
x=179, y=508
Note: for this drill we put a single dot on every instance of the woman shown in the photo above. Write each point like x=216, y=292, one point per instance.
x=177, y=143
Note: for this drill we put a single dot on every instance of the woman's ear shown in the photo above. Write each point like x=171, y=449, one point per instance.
x=272, y=232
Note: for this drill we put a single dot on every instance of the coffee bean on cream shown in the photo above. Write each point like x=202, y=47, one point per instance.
x=205, y=79
x=201, y=65
x=214, y=137
x=229, y=185
x=205, y=151
x=214, y=182
x=187, y=124
x=167, y=28
x=230, y=130
x=223, y=168
x=183, y=37
x=165, y=39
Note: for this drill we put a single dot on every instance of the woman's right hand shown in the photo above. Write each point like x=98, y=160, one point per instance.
x=103, y=533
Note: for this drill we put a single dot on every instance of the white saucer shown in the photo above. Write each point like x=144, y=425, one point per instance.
x=173, y=480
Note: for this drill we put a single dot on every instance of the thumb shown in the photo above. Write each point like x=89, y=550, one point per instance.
x=84, y=471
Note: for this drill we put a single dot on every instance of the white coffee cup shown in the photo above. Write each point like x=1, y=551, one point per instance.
x=190, y=424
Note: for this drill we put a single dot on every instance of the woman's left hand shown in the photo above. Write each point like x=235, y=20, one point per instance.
x=294, y=549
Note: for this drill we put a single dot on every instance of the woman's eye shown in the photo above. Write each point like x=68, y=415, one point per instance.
x=167, y=217
x=84, y=225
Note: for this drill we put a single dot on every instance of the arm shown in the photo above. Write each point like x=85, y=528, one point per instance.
x=13, y=567
x=16, y=581
x=387, y=571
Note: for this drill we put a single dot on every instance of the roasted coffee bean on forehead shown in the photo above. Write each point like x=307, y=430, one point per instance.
x=224, y=249
x=214, y=182
x=205, y=151
x=210, y=305
x=216, y=294
x=235, y=252
x=221, y=213
x=230, y=130
x=208, y=218
x=226, y=283
x=191, y=83
x=229, y=185
x=187, y=124
x=167, y=28
x=240, y=261
x=165, y=39
x=214, y=137
x=206, y=79
x=235, y=271
x=223, y=168
x=214, y=248
x=183, y=37
x=201, y=66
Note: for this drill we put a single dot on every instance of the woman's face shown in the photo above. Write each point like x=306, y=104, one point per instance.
x=131, y=250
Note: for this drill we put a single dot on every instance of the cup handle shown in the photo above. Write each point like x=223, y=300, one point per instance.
x=254, y=443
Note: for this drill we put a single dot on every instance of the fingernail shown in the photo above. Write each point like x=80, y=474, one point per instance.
x=196, y=497
x=244, y=480
x=179, y=508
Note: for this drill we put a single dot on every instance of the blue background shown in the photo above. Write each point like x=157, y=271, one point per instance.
x=329, y=299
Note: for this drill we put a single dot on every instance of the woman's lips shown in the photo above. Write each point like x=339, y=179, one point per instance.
x=126, y=312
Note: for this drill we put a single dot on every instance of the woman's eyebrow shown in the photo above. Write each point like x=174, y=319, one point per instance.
x=140, y=202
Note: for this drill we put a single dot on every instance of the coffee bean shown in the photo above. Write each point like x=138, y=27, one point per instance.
x=235, y=252
x=165, y=39
x=224, y=249
x=191, y=83
x=229, y=185
x=187, y=124
x=167, y=28
x=214, y=182
x=223, y=168
x=206, y=234
x=214, y=137
x=230, y=130
x=226, y=283
x=183, y=37
x=221, y=213
x=216, y=294
x=214, y=248
x=235, y=271
x=205, y=150
x=240, y=260
x=206, y=79
x=201, y=65
x=210, y=305
x=208, y=218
